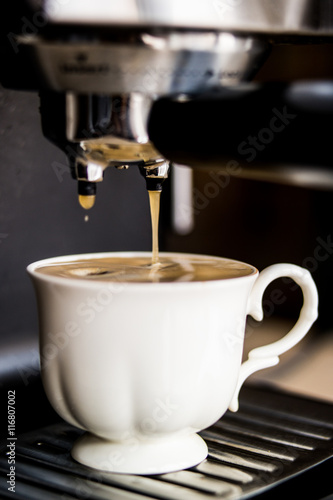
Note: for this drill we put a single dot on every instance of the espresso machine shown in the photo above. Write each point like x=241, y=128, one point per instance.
x=193, y=91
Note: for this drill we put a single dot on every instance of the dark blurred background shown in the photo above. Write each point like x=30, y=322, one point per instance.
x=266, y=222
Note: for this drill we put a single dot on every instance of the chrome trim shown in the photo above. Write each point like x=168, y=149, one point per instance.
x=300, y=17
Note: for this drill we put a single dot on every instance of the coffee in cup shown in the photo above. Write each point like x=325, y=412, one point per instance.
x=144, y=356
x=140, y=269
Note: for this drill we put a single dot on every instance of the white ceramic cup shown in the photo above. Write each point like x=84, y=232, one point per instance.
x=143, y=367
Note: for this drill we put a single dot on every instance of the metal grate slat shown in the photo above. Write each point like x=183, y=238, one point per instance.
x=272, y=438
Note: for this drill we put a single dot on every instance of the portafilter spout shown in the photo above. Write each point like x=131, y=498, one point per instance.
x=111, y=131
x=103, y=119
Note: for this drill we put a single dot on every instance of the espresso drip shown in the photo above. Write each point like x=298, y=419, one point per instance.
x=154, y=200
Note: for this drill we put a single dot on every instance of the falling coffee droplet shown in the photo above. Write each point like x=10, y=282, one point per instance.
x=87, y=201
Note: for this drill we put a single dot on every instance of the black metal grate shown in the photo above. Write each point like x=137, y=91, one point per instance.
x=273, y=438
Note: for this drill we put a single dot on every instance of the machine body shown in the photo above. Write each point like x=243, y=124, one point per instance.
x=104, y=65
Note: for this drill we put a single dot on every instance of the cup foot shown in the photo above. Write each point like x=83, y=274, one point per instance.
x=140, y=457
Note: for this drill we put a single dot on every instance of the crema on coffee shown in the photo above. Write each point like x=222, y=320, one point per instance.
x=142, y=270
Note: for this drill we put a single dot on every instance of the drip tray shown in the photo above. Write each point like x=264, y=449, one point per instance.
x=275, y=442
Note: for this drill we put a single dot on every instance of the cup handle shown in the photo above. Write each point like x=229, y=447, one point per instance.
x=268, y=355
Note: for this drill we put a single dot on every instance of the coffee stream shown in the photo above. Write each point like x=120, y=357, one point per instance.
x=142, y=269
x=154, y=200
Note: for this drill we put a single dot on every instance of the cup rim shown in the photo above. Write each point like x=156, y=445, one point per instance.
x=32, y=270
